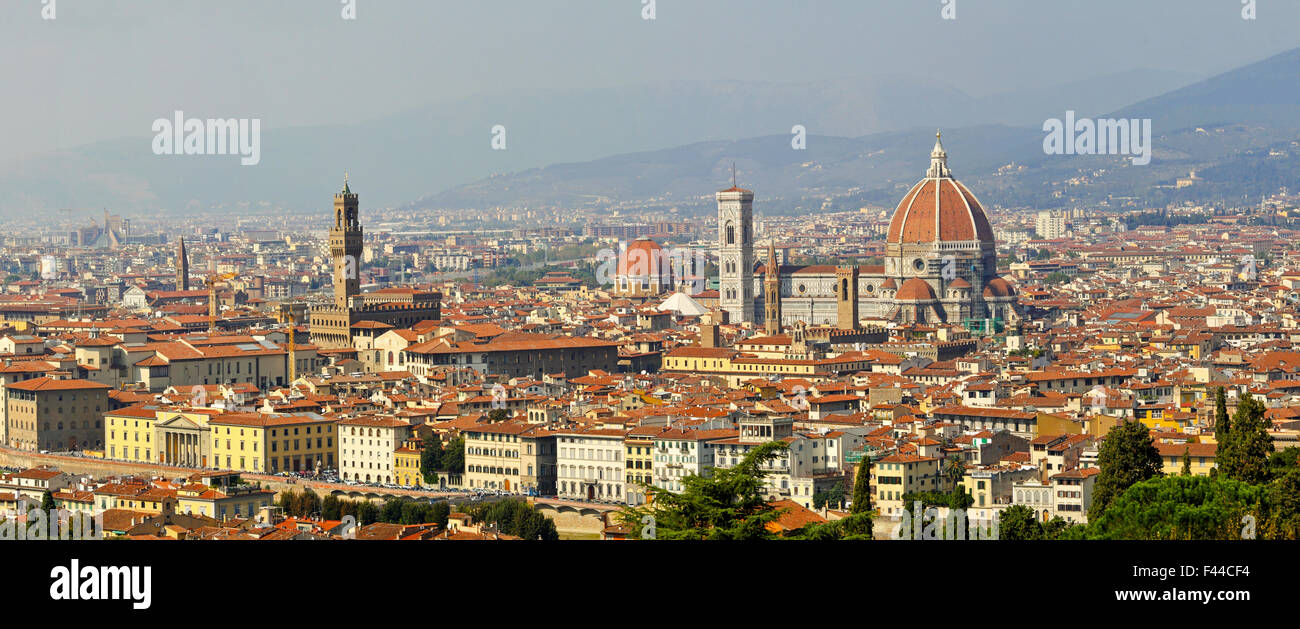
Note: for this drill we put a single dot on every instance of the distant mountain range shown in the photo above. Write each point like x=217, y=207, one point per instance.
x=433, y=152
x=1238, y=131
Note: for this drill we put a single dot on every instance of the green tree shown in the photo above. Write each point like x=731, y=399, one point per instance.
x=1244, y=454
x=819, y=500
x=306, y=504
x=862, y=487
x=832, y=498
x=1283, y=513
x=392, y=511
x=1180, y=508
x=1284, y=462
x=431, y=458
x=730, y=504
x=415, y=512
x=331, y=508
x=1019, y=523
x=288, y=503
x=954, y=469
x=439, y=513
x=47, y=504
x=1127, y=456
x=498, y=415
x=516, y=517
x=857, y=526
x=367, y=513
x=955, y=499
x=1187, y=461
x=453, y=459
x=1222, y=424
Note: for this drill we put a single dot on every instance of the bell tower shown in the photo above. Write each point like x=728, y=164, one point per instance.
x=345, y=247
x=182, y=266
x=736, y=252
x=772, y=293
x=846, y=296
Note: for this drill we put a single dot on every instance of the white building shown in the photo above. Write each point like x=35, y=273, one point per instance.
x=681, y=453
x=1050, y=225
x=590, y=465
x=366, y=447
x=1072, y=494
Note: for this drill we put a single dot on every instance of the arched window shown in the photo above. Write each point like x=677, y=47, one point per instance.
x=731, y=233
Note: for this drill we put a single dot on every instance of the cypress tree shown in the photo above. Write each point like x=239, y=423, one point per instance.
x=1222, y=425
x=862, y=487
x=1244, y=455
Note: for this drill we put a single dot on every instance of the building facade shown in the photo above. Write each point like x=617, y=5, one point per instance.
x=367, y=446
x=590, y=465
x=55, y=415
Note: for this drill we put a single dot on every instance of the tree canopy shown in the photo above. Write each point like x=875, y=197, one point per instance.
x=1243, y=452
x=729, y=504
x=1127, y=456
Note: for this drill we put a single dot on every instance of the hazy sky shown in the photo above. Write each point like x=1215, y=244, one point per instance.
x=107, y=68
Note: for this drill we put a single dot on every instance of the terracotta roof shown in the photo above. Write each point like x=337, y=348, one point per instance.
x=50, y=384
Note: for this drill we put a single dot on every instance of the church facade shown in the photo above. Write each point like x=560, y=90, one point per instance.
x=940, y=266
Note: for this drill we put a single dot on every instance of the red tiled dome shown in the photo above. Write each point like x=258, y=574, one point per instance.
x=999, y=287
x=915, y=289
x=643, y=258
x=939, y=209
x=959, y=283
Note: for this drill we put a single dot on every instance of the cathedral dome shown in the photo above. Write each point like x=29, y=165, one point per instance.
x=915, y=289
x=939, y=209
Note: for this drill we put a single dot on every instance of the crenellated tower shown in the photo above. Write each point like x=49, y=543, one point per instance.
x=345, y=246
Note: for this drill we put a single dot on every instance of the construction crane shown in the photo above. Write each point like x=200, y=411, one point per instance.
x=211, y=283
x=288, y=313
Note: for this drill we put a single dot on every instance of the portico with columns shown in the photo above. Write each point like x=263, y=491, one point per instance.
x=183, y=442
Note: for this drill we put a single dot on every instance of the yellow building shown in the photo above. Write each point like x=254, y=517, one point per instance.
x=737, y=367
x=900, y=474
x=1171, y=457
x=406, y=463
x=148, y=434
x=1049, y=424
x=129, y=434
x=262, y=443
x=151, y=501
x=223, y=496
x=639, y=460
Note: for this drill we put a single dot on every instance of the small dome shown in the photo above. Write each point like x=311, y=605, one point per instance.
x=959, y=283
x=999, y=287
x=915, y=289
x=643, y=258
x=890, y=284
